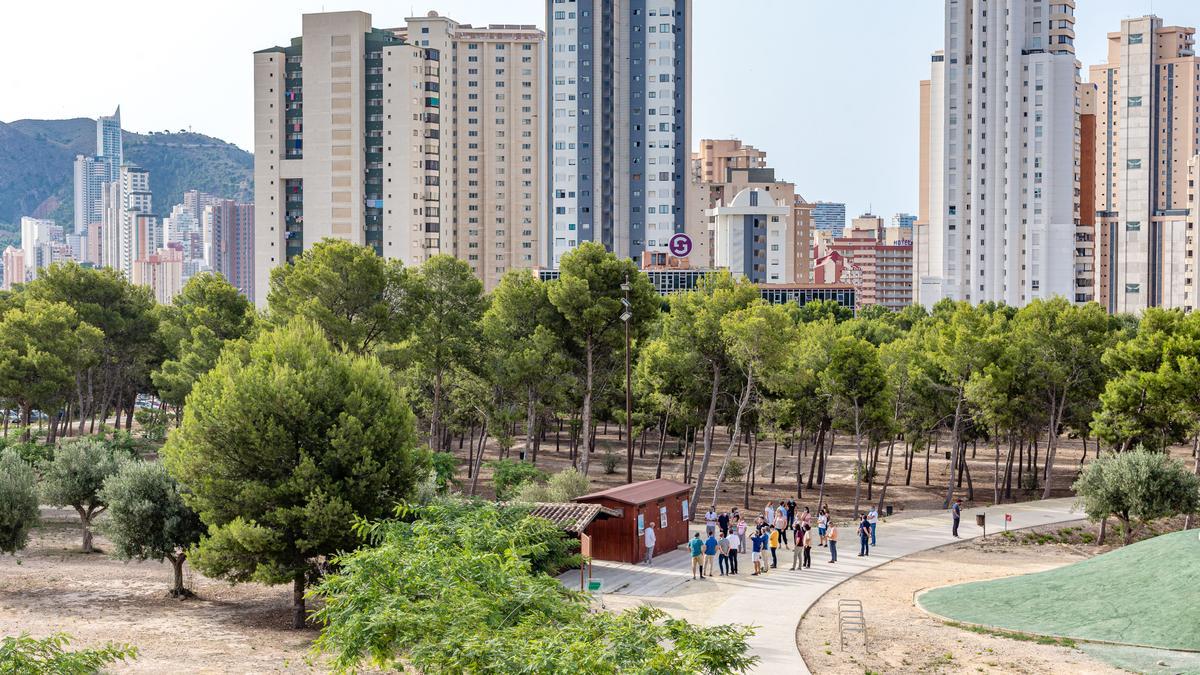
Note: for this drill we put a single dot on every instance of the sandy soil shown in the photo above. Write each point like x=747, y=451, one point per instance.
x=51, y=587
x=905, y=639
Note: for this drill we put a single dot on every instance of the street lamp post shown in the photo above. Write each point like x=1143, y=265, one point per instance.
x=626, y=315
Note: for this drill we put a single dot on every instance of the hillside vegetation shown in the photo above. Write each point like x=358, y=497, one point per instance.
x=36, y=163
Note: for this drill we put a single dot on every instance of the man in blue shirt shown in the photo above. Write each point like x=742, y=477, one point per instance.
x=696, y=547
x=710, y=553
x=956, y=513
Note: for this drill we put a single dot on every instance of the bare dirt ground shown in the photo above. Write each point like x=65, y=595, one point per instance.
x=51, y=587
x=903, y=638
x=915, y=498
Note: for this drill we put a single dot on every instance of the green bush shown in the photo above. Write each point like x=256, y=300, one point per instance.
x=461, y=589
x=560, y=487
x=735, y=470
x=508, y=474
x=26, y=655
x=18, y=502
x=611, y=462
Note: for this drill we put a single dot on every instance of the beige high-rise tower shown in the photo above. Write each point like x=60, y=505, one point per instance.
x=1147, y=113
x=415, y=141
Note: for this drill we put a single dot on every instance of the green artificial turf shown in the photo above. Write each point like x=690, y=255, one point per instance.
x=1147, y=593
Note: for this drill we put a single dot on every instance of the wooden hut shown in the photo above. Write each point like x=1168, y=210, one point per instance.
x=661, y=501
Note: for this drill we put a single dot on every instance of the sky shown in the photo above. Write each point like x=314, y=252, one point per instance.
x=828, y=88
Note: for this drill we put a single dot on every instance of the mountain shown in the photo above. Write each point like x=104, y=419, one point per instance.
x=37, y=160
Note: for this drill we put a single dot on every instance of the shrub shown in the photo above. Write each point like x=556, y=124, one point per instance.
x=611, y=462
x=386, y=606
x=560, y=487
x=735, y=470
x=509, y=474
x=18, y=502
x=24, y=654
x=1137, y=487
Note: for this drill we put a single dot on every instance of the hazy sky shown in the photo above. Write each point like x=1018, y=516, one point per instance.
x=827, y=87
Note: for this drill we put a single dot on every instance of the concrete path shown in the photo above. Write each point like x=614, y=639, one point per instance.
x=776, y=602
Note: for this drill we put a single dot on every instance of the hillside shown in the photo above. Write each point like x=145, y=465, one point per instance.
x=36, y=159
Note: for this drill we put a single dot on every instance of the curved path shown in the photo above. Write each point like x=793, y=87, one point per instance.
x=786, y=595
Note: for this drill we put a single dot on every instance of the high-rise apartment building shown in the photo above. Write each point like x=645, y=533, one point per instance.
x=1147, y=128
x=619, y=81
x=752, y=238
x=14, y=268
x=93, y=171
x=727, y=168
x=139, y=232
x=1001, y=121
x=229, y=228
x=717, y=156
x=872, y=258
x=415, y=141
x=162, y=272
x=829, y=217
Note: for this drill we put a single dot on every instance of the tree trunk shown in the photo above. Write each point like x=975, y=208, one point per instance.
x=85, y=521
x=530, y=410
x=774, y=459
x=799, y=464
x=1187, y=520
x=955, y=453
x=823, y=452
x=587, y=407
x=662, y=442
x=708, y=438
x=1052, y=444
x=859, y=467
x=1103, y=527
x=967, y=469
x=887, y=476
x=820, y=443
x=737, y=427
x=298, y=614
x=177, y=589
x=996, y=471
x=483, y=432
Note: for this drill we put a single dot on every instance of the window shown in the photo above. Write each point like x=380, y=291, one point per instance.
x=1133, y=164
x=1135, y=39
x=1135, y=101
x=1133, y=226
x=1133, y=288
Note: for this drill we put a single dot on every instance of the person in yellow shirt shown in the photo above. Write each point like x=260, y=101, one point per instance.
x=774, y=544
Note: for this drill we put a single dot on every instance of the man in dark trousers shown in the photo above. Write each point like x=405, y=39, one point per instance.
x=956, y=513
x=864, y=537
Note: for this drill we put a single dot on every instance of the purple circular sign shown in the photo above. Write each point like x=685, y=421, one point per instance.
x=680, y=245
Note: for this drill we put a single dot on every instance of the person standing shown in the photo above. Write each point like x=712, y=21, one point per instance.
x=781, y=526
x=864, y=537
x=697, y=548
x=735, y=543
x=773, y=544
x=723, y=554
x=769, y=513
x=873, y=519
x=806, y=518
x=710, y=553
x=650, y=540
x=756, y=544
x=791, y=512
x=822, y=525
x=710, y=520
x=808, y=538
x=723, y=523
x=798, y=550
x=956, y=514
x=831, y=536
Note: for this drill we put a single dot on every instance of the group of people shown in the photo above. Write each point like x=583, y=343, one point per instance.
x=729, y=533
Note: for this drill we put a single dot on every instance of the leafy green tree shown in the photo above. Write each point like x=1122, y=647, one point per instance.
x=449, y=304
x=283, y=445
x=75, y=476
x=856, y=384
x=148, y=519
x=125, y=315
x=359, y=299
x=819, y=310
x=43, y=346
x=1137, y=487
x=206, y=314
x=521, y=329
x=691, y=344
x=25, y=655
x=18, y=501
x=1067, y=342
x=387, y=607
x=588, y=296
x=758, y=338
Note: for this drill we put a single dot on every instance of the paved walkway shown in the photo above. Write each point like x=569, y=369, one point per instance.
x=775, y=602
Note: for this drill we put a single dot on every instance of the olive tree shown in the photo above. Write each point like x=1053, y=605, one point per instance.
x=148, y=519
x=18, y=501
x=1137, y=487
x=75, y=476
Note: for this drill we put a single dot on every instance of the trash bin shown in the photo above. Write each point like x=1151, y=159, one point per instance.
x=947, y=454
x=889, y=509
x=979, y=519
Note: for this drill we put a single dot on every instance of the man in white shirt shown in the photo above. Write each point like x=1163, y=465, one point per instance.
x=650, y=540
x=710, y=521
x=735, y=543
x=873, y=520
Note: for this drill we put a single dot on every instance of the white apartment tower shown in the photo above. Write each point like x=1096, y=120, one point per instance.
x=1003, y=109
x=619, y=123
x=415, y=141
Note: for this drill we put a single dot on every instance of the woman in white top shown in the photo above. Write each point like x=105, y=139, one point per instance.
x=822, y=526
